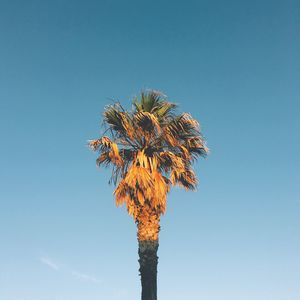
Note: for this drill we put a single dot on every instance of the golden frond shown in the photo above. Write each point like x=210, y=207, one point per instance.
x=140, y=197
x=138, y=176
x=104, y=158
x=106, y=141
x=127, y=124
x=147, y=122
x=153, y=163
x=186, y=179
x=115, y=155
x=170, y=160
x=94, y=144
x=185, y=152
x=111, y=150
x=121, y=193
x=170, y=137
x=142, y=159
x=131, y=208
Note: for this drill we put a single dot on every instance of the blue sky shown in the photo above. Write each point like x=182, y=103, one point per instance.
x=233, y=64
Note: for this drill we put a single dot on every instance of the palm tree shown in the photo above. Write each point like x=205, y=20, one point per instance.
x=150, y=148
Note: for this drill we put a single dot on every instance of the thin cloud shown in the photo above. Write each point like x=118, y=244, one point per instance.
x=85, y=277
x=45, y=260
x=50, y=263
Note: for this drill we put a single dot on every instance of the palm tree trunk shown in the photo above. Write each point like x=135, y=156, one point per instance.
x=148, y=260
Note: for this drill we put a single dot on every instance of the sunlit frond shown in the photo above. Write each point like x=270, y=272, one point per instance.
x=138, y=177
x=164, y=110
x=94, y=144
x=147, y=122
x=196, y=146
x=104, y=158
x=186, y=179
x=169, y=160
x=121, y=193
x=118, y=120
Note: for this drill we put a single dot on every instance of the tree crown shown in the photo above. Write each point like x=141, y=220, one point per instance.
x=150, y=148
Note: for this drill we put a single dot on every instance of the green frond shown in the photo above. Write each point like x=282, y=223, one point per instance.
x=116, y=118
x=148, y=101
x=164, y=110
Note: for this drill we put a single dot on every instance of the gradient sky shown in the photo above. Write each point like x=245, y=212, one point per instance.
x=233, y=64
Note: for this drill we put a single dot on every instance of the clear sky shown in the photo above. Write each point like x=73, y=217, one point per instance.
x=233, y=64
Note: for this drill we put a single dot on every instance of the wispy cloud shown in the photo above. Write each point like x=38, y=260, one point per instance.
x=85, y=277
x=45, y=260
x=49, y=262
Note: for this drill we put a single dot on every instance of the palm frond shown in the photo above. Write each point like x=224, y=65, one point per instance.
x=118, y=120
x=186, y=179
x=164, y=110
x=148, y=101
x=147, y=122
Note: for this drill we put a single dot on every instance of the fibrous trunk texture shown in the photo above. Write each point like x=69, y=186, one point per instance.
x=148, y=230
x=148, y=269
